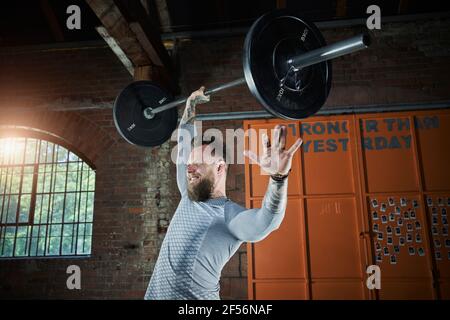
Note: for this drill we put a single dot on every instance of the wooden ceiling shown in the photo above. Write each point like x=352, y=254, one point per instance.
x=43, y=21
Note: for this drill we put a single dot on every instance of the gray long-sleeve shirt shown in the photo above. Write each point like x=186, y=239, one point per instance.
x=203, y=236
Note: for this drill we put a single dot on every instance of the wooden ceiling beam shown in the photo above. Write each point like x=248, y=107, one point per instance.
x=281, y=4
x=341, y=8
x=146, y=31
x=164, y=15
x=117, y=27
x=52, y=21
x=403, y=6
x=135, y=39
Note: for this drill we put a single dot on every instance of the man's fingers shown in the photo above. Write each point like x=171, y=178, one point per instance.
x=276, y=137
x=198, y=93
x=265, y=144
x=252, y=156
x=295, y=147
x=198, y=97
x=283, y=133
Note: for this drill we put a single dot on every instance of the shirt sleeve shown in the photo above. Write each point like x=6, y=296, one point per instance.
x=186, y=132
x=254, y=225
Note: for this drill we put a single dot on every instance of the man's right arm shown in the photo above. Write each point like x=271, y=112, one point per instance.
x=187, y=132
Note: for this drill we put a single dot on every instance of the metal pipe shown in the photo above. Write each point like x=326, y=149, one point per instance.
x=330, y=111
x=331, y=51
x=312, y=57
x=322, y=25
x=149, y=112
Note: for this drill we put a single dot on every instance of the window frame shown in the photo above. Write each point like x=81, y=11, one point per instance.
x=39, y=135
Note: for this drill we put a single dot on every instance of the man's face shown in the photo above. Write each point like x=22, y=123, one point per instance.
x=201, y=173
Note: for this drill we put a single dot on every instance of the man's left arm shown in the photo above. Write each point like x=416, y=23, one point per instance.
x=256, y=224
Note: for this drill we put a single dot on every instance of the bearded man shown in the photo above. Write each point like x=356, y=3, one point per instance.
x=207, y=227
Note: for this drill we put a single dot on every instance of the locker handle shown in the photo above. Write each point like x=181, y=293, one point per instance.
x=363, y=234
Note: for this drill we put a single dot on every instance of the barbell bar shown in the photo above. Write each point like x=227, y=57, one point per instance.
x=149, y=113
x=287, y=67
x=322, y=54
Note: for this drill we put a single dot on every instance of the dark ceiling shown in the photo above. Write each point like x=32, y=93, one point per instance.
x=44, y=21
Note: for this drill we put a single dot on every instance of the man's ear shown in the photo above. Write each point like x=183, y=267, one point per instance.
x=221, y=166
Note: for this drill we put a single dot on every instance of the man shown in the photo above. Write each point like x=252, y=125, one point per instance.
x=208, y=228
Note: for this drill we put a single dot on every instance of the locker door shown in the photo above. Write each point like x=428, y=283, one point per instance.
x=336, y=271
x=277, y=264
x=279, y=269
x=392, y=185
x=433, y=140
x=336, y=252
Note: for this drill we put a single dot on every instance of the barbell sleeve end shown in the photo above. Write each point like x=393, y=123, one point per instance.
x=332, y=51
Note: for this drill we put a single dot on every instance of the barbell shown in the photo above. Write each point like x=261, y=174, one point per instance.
x=286, y=66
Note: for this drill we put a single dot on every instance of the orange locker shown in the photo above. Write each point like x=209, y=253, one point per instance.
x=364, y=190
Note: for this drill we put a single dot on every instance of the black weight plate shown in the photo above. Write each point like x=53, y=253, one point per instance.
x=129, y=117
x=284, y=91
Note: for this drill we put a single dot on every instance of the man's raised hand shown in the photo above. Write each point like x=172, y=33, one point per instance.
x=195, y=98
x=275, y=159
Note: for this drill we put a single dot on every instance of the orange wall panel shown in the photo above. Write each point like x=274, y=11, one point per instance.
x=406, y=290
x=338, y=290
x=327, y=157
x=433, y=137
x=333, y=238
x=438, y=208
x=402, y=231
x=386, y=143
x=281, y=291
x=445, y=289
x=289, y=261
x=332, y=225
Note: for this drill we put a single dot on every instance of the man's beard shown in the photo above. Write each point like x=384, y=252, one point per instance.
x=202, y=190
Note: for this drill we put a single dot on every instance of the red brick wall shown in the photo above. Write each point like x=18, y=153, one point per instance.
x=408, y=62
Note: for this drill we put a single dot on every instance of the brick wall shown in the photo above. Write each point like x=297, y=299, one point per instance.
x=408, y=62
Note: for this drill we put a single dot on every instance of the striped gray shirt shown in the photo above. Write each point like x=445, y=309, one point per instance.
x=203, y=236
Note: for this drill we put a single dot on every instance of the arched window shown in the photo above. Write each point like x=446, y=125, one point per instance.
x=46, y=199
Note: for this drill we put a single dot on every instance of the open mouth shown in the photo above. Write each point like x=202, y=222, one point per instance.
x=193, y=179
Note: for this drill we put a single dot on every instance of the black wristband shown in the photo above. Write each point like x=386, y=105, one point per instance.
x=279, y=177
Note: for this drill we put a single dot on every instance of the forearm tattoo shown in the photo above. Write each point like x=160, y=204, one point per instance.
x=189, y=113
x=275, y=199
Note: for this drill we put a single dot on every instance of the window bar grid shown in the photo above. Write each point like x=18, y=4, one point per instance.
x=85, y=212
x=2, y=237
x=19, y=196
x=38, y=180
x=5, y=210
x=50, y=200
x=77, y=208
x=44, y=177
x=64, y=206
x=9, y=194
x=37, y=153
